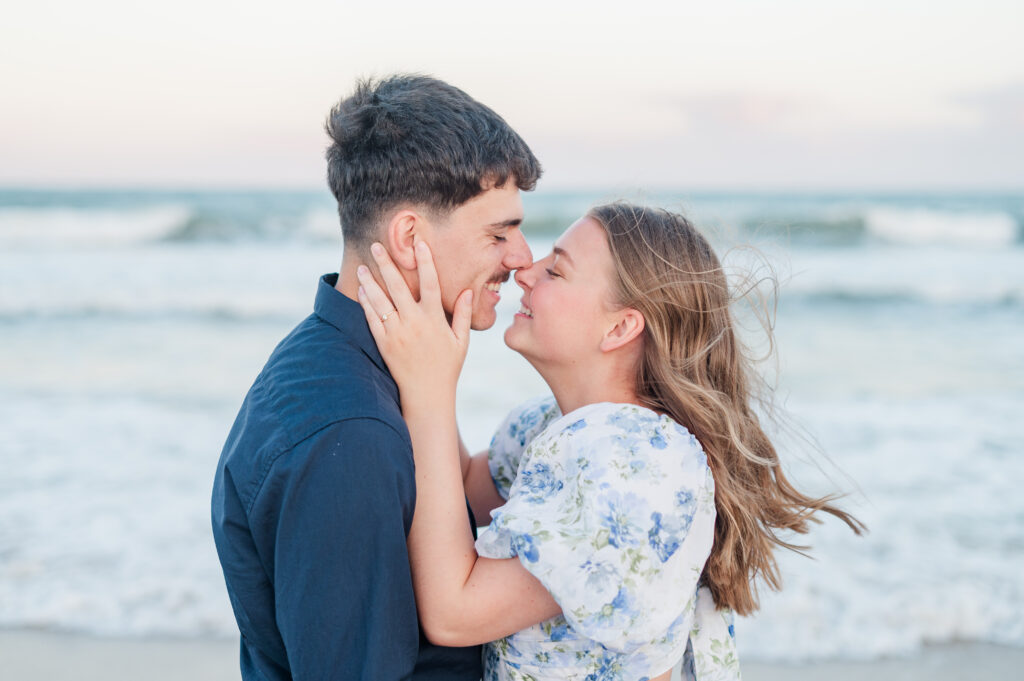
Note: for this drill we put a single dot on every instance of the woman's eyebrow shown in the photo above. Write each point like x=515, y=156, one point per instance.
x=562, y=253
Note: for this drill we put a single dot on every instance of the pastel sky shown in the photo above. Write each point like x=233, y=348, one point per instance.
x=781, y=94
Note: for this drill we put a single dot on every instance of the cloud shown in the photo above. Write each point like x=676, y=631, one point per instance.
x=1000, y=107
x=742, y=112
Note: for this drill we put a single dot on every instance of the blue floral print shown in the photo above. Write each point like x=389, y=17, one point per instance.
x=508, y=444
x=612, y=508
x=617, y=519
x=525, y=547
x=663, y=543
x=539, y=481
x=579, y=425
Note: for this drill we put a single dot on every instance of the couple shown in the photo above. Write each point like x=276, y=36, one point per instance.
x=623, y=519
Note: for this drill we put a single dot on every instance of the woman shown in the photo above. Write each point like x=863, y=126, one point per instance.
x=642, y=499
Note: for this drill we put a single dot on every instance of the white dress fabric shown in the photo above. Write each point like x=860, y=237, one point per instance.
x=612, y=508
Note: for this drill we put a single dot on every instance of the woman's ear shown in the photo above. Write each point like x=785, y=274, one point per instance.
x=400, y=238
x=629, y=324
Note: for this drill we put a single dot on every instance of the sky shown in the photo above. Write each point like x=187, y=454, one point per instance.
x=779, y=95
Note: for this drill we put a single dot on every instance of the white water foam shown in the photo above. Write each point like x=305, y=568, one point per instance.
x=925, y=227
x=942, y=275
x=216, y=281
x=56, y=228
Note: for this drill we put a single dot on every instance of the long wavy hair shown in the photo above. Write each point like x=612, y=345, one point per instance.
x=694, y=368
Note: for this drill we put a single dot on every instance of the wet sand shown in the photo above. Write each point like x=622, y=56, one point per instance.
x=38, y=656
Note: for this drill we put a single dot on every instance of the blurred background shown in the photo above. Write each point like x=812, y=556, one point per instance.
x=164, y=219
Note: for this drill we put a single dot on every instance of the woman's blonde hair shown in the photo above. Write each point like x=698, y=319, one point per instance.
x=694, y=369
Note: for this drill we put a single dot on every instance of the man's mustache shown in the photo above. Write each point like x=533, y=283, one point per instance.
x=500, y=278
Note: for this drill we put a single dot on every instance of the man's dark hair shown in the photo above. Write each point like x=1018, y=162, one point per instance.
x=417, y=140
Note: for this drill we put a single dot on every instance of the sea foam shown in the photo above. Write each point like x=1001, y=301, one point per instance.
x=928, y=227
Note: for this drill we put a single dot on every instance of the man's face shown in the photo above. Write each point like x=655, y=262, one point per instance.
x=477, y=247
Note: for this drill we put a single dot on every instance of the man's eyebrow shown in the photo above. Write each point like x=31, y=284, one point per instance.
x=512, y=222
x=562, y=253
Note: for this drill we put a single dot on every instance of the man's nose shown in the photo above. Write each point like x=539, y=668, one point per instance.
x=518, y=254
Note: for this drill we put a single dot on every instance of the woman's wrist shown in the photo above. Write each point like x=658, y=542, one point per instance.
x=433, y=399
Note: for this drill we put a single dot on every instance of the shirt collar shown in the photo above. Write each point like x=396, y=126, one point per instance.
x=347, y=316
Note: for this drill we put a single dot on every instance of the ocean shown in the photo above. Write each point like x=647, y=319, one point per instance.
x=133, y=322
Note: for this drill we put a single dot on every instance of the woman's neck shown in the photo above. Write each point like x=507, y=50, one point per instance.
x=579, y=385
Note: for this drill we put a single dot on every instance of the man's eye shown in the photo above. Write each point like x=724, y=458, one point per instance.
x=552, y=273
x=500, y=239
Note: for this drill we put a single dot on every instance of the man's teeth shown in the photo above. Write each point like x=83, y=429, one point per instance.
x=523, y=310
x=494, y=286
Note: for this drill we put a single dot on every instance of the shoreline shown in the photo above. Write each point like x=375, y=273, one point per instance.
x=32, y=655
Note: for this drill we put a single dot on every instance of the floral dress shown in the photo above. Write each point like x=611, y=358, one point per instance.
x=612, y=508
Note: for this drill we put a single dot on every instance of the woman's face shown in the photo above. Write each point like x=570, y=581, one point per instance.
x=566, y=304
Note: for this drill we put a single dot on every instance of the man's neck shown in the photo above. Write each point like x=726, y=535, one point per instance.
x=348, y=282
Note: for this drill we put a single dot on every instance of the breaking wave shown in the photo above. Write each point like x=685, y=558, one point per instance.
x=96, y=220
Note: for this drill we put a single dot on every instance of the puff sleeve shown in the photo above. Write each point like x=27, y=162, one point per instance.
x=521, y=426
x=613, y=511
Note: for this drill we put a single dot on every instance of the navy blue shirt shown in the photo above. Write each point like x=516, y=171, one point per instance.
x=312, y=502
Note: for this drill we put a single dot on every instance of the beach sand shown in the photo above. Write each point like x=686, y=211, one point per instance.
x=38, y=656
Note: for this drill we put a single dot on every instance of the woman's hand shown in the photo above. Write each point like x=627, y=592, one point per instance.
x=461, y=598
x=424, y=353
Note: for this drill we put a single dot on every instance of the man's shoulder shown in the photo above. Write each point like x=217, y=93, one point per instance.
x=316, y=376
x=316, y=384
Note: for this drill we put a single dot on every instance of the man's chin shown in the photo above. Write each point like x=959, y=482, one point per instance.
x=483, y=319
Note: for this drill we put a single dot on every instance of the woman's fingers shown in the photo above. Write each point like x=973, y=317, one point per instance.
x=430, y=287
x=372, y=318
x=397, y=288
x=377, y=302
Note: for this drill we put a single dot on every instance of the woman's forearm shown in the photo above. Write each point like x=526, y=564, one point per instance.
x=441, y=547
x=462, y=599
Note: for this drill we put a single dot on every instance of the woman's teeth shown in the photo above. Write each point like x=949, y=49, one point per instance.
x=523, y=310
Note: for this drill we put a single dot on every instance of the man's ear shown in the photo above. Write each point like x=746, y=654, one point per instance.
x=400, y=238
x=629, y=324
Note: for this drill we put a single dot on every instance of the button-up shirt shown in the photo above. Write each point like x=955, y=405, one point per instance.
x=312, y=501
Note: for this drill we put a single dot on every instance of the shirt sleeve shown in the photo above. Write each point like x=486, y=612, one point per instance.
x=711, y=651
x=521, y=426
x=616, y=518
x=341, y=576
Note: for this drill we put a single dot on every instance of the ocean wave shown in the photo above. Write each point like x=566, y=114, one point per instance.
x=64, y=227
x=838, y=232
x=928, y=227
x=310, y=226
x=285, y=313
x=95, y=219
x=882, y=226
x=76, y=228
x=1007, y=297
x=142, y=313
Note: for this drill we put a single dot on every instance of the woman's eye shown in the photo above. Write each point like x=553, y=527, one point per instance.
x=552, y=273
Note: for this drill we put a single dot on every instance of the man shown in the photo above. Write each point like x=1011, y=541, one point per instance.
x=314, y=492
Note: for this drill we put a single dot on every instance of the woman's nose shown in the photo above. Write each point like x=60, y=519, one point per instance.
x=526, y=276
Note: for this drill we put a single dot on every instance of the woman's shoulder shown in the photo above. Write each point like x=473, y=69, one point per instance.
x=613, y=429
x=511, y=438
x=525, y=421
